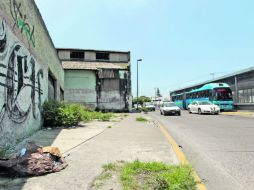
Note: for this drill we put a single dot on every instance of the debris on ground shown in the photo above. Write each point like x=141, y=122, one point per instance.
x=33, y=161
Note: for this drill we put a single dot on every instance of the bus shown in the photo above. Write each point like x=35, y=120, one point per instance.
x=218, y=93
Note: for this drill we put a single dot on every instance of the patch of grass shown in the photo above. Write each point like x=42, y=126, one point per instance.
x=141, y=119
x=105, y=176
x=156, y=175
x=147, y=176
x=110, y=167
x=125, y=115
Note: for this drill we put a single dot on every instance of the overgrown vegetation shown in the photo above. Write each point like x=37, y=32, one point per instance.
x=157, y=175
x=65, y=114
x=141, y=119
x=141, y=100
x=147, y=176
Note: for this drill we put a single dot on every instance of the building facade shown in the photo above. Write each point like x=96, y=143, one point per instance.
x=30, y=70
x=98, y=79
x=241, y=84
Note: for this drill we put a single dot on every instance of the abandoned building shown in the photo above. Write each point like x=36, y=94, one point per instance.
x=98, y=79
x=30, y=71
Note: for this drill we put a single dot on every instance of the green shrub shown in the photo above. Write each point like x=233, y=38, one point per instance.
x=51, y=114
x=141, y=119
x=144, y=109
x=65, y=114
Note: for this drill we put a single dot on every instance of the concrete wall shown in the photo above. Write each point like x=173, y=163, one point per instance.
x=80, y=87
x=27, y=55
x=119, y=57
x=90, y=56
x=64, y=55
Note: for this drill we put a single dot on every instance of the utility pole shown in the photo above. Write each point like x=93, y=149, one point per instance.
x=137, y=81
x=155, y=89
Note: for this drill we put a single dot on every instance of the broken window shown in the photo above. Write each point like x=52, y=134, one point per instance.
x=78, y=55
x=102, y=56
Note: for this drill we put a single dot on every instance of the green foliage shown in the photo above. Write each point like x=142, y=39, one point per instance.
x=144, y=109
x=65, y=114
x=157, y=175
x=141, y=100
x=51, y=114
x=158, y=93
x=141, y=119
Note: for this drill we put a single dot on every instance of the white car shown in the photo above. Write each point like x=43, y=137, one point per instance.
x=202, y=107
x=149, y=106
x=170, y=108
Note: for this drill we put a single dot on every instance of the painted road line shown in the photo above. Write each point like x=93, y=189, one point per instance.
x=245, y=114
x=180, y=155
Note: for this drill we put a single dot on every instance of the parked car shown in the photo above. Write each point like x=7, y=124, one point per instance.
x=201, y=107
x=149, y=106
x=169, y=108
x=135, y=106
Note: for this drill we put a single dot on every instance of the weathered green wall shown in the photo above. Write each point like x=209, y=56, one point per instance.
x=26, y=56
x=80, y=87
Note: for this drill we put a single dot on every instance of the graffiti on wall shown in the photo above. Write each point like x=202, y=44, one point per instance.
x=20, y=21
x=21, y=79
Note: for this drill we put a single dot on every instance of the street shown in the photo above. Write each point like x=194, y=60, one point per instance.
x=220, y=147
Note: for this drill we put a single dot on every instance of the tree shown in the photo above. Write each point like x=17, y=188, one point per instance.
x=158, y=93
x=141, y=100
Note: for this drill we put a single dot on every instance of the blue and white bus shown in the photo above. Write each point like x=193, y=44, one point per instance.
x=218, y=93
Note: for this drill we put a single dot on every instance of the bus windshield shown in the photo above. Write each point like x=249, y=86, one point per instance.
x=223, y=94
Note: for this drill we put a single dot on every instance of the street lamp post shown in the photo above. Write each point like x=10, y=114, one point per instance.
x=137, y=81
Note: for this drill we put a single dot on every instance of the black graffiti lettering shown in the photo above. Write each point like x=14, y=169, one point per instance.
x=20, y=79
x=3, y=38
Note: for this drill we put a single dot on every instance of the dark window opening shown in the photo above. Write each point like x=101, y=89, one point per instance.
x=51, y=88
x=102, y=56
x=77, y=55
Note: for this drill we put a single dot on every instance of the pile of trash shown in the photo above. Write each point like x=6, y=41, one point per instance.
x=33, y=161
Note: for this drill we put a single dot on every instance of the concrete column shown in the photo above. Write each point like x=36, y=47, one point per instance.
x=236, y=90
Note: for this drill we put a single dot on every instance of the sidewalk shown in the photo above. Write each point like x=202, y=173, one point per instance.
x=127, y=140
x=239, y=113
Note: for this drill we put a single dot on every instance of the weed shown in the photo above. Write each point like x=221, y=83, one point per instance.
x=110, y=167
x=156, y=175
x=148, y=176
x=141, y=119
x=109, y=127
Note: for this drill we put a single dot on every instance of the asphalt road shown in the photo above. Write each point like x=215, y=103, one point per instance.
x=220, y=147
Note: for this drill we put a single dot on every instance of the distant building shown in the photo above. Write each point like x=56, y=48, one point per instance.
x=241, y=84
x=98, y=79
x=30, y=71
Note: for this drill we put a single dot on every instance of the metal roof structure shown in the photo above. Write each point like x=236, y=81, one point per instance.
x=93, y=50
x=216, y=79
x=84, y=65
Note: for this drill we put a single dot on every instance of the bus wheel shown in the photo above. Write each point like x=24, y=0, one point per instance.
x=199, y=111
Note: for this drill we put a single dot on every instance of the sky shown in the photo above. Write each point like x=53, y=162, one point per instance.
x=180, y=42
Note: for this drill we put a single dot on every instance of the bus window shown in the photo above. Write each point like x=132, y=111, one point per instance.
x=223, y=94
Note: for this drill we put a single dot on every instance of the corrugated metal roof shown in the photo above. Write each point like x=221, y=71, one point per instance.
x=216, y=79
x=84, y=65
x=93, y=50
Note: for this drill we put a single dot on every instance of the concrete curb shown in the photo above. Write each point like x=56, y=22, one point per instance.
x=244, y=114
x=179, y=153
